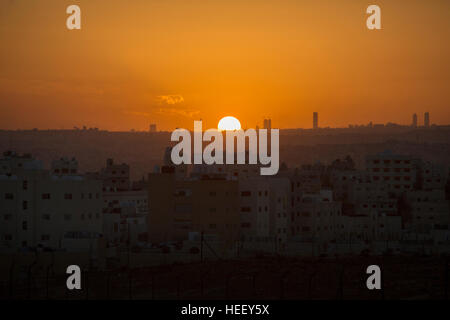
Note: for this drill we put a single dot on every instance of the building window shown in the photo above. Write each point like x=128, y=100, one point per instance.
x=24, y=225
x=246, y=193
x=246, y=209
x=25, y=185
x=46, y=196
x=45, y=237
x=212, y=194
x=7, y=217
x=24, y=205
x=67, y=217
x=8, y=237
x=245, y=225
x=46, y=216
x=9, y=196
x=68, y=196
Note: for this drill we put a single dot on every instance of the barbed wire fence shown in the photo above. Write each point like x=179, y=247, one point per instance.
x=280, y=278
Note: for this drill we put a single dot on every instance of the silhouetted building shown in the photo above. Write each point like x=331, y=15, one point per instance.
x=426, y=119
x=414, y=120
x=315, y=120
x=267, y=124
x=180, y=207
x=153, y=128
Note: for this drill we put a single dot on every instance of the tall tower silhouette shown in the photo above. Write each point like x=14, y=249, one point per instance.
x=414, y=120
x=426, y=119
x=315, y=120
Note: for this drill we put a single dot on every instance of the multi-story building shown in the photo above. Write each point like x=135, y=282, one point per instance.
x=178, y=207
x=254, y=207
x=115, y=177
x=426, y=210
x=39, y=208
x=64, y=166
x=125, y=215
x=318, y=218
x=397, y=172
x=265, y=207
x=280, y=209
x=430, y=176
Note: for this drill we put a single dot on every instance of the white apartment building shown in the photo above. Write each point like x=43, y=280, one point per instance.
x=39, y=208
x=125, y=215
x=280, y=209
x=318, y=218
x=254, y=209
x=264, y=211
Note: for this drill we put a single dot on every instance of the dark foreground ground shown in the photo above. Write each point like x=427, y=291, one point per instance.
x=403, y=277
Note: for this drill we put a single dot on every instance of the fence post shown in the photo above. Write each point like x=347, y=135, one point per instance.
x=46, y=283
x=29, y=282
x=313, y=274
x=446, y=278
x=201, y=247
x=11, y=280
x=281, y=288
x=227, y=284
x=340, y=291
x=130, y=296
x=108, y=279
x=87, y=284
x=153, y=286
x=178, y=287
x=202, y=283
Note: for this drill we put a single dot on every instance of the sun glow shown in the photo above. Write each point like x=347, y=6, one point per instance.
x=229, y=124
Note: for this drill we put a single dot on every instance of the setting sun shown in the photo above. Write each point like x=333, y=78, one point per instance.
x=229, y=124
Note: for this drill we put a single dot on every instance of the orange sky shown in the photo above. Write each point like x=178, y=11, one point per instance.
x=173, y=61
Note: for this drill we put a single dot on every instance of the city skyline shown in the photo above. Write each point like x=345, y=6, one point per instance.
x=417, y=122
